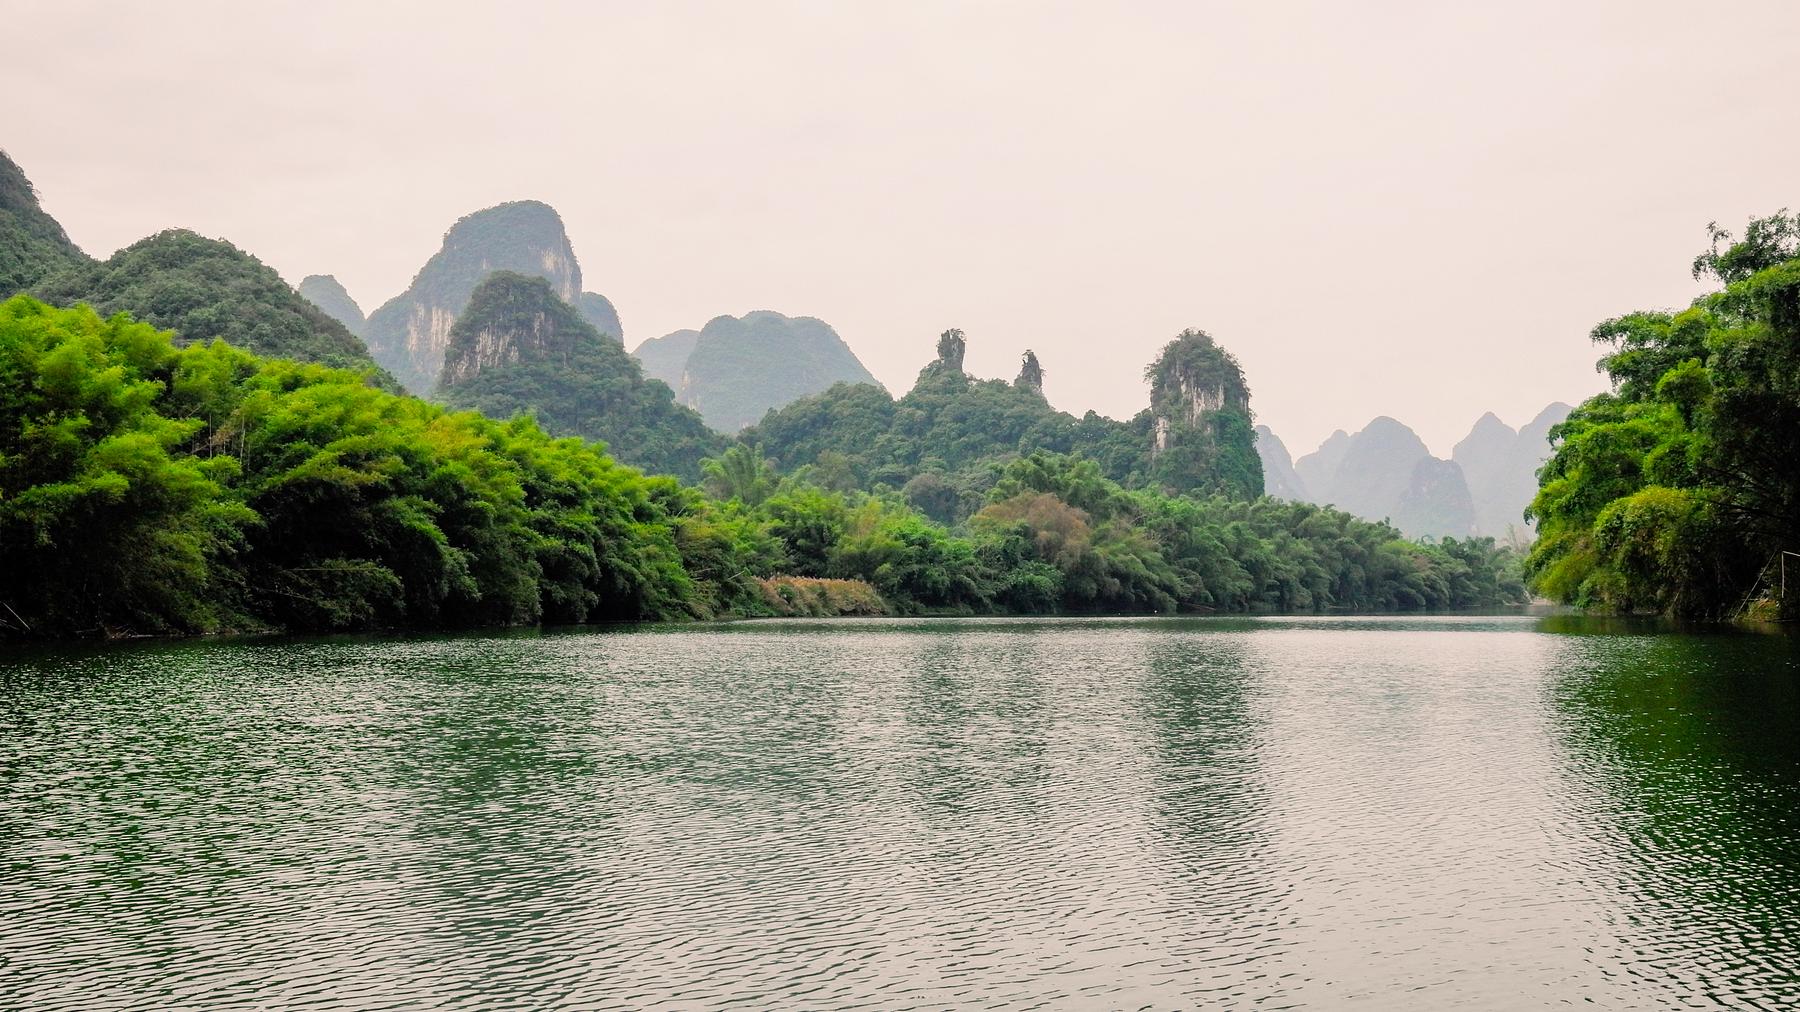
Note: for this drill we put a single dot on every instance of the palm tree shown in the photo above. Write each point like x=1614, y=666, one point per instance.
x=739, y=473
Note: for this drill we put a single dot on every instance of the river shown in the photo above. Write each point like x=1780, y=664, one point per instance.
x=1390, y=813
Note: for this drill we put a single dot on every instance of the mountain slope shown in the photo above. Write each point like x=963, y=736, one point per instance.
x=324, y=291
x=1501, y=466
x=518, y=348
x=598, y=310
x=205, y=288
x=33, y=245
x=665, y=358
x=1279, y=477
x=1386, y=472
x=736, y=369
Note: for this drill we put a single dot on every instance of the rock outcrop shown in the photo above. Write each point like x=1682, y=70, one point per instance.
x=1201, y=440
x=736, y=369
x=410, y=332
x=1031, y=374
x=324, y=291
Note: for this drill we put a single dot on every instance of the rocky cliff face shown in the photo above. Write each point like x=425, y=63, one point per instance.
x=409, y=333
x=324, y=291
x=1201, y=440
x=1279, y=477
x=510, y=319
x=736, y=369
x=1501, y=466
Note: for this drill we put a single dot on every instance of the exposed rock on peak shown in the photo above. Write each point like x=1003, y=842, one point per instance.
x=324, y=291
x=1201, y=438
x=1031, y=374
x=410, y=332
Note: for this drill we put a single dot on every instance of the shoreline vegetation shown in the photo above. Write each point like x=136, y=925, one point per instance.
x=150, y=488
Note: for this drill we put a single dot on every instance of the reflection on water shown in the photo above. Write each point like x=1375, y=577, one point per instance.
x=1485, y=812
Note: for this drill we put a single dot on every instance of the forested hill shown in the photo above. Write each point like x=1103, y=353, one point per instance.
x=146, y=488
x=197, y=287
x=204, y=289
x=944, y=442
x=519, y=349
x=735, y=369
x=32, y=244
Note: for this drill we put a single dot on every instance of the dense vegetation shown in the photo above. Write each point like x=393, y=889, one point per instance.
x=944, y=443
x=1676, y=491
x=203, y=289
x=150, y=488
x=517, y=349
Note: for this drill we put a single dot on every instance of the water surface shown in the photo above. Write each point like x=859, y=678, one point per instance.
x=1496, y=812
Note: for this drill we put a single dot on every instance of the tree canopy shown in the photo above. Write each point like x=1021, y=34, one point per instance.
x=1676, y=490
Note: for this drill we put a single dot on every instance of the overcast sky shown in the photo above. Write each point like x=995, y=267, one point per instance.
x=1411, y=209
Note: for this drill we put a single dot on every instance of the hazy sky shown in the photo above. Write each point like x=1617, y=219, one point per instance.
x=1412, y=209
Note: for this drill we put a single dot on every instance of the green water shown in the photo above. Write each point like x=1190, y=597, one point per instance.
x=1504, y=812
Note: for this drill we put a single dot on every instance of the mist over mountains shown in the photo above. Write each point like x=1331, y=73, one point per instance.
x=1385, y=472
x=736, y=369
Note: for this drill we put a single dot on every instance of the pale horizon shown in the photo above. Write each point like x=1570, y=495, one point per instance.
x=1373, y=226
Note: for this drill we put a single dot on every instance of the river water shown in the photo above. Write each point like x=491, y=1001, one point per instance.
x=1390, y=813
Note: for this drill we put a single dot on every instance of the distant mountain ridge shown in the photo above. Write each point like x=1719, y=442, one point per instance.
x=735, y=369
x=1386, y=472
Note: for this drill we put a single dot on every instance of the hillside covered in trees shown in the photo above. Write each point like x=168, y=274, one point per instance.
x=943, y=443
x=1679, y=490
x=199, y=288
x=146, y=488
x=519, y=349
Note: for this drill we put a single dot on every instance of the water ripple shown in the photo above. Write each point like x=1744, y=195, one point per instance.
x=1281, y=813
